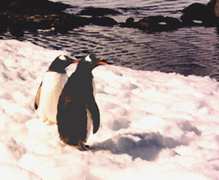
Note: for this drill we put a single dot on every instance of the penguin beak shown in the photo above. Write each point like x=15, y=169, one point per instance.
x=75, y=61
x=71, y=60
x=103, y=62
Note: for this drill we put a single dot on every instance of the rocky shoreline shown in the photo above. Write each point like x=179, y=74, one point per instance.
x=17, y=16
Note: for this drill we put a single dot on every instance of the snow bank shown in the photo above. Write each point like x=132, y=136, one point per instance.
x=153, y=125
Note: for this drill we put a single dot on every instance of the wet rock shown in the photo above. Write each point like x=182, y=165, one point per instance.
x=31, y=6
x=16, y=29
x=68, y=22
x=35, y=22
x=174, y=23
x=158, y=23
x=130, y=22
x=213, y=5
x=59, y=22
x=103, y=21
x=154, y=23
x=94, y=11
x=216, y=8
x=20, y=15
x=3, y=23
x=198, y=14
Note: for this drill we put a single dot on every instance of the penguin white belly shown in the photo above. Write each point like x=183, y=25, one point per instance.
x=52, y=86
x=89, y=124
x=89, y=117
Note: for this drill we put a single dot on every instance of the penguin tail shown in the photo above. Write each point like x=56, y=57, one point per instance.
x=35, y=106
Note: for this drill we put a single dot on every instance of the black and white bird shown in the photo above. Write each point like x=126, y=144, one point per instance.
x=48, y=93
x=77, y=108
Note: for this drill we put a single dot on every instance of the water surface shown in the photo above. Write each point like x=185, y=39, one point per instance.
x=186, y=51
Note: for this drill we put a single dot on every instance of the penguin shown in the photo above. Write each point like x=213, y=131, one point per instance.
x=77, y=108
x=48, y=93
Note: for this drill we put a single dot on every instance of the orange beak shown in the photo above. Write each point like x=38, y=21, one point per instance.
x=103, y=62
x=72, y=60
x=75, y=61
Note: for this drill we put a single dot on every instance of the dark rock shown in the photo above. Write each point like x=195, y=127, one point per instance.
x=103, y=21
x=160, y=23
x=211, y=6
x=35, y=22
x=130, y=22
x=20, y=15
x=154, y=23
x=30, y=23
x=67, y=22
x=32, y=7
x=94, y=11
x=173, y=23
x=3, y=23
x=16, y=28
x=198, y=14
x=61, y=22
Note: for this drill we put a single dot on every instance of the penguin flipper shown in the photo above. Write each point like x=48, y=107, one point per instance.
x=37, y=97
x=95, y=115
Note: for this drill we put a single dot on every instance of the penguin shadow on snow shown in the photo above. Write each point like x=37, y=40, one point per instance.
x=186, y=126
x=146, y=146
x=119, y=124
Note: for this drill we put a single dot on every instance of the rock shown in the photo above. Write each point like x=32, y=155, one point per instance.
x=16, y=28
x=59, y=22
x=68, y=22
x=173, y=23
x=103, y=21
x=154, y=23
x=45, y=15
x=158, y=23
x=216, y=8
x=17, y=22
x=213, y=5
x=31, y=6
x=198, y=14
x=4, y=23
x=22, y=15
x=94, y=11
x=130, y=22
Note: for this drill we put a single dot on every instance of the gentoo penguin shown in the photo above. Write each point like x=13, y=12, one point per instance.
x=48, y=93
x=77, y=107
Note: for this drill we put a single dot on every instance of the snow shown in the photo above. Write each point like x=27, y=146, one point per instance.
x=154, y=125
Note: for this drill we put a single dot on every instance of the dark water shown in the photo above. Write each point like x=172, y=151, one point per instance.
x=186, y=51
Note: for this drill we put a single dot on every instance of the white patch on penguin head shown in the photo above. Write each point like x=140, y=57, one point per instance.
x=62, y=57
x=88, y=59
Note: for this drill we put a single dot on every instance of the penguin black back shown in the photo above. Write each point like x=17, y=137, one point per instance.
x=76, y=101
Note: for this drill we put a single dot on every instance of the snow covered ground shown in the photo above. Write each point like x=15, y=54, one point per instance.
x=153, y=125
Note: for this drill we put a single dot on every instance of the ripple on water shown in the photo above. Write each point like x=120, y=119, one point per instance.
x=186, y=51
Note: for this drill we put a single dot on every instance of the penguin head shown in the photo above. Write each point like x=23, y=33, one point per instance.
x=60, y=63
x=90, y=62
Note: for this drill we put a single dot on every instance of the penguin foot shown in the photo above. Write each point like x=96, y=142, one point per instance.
x=83, y=147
